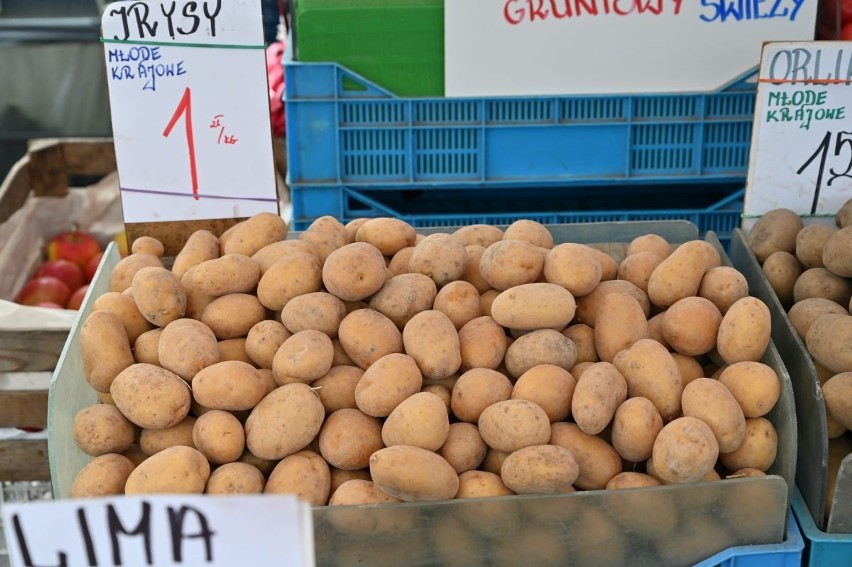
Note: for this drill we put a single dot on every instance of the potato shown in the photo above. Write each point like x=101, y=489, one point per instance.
x=599, y=392
x=653, y=243
x=385, y=384
x=710, y=401
x=430, y=338
x=609, y=267
x=196, y=302
x=264, y=340
x=837, y=252
x=754, y=385
x=819, y=282
x=150, y=396
x=479, y=234
x=354, y=272
x=284, y=422
x=691, y=324
x=463, y=447
x=651, y=372
x=838, y=398
x=146, y=347
x=234, y=349
x=340, y=476
x=843, y=217
x=512, y=424
x=587, y=306
x=477, y=389
x=684, y=451
x=539, y=469
x=827, y=340
x=232, y=316
x=403, y=296
x=550, y=387
x=810, y=242
x=176, y=470
x=689, y=367
x=638, y=267
x=619, y=323
x=530, y=231
x=265, y=376
x=231, y=273
x=510, y=263
x=304, y=357
x=803, y=313
x=304, y=474
x=367, y=335
x=155, y=440
x=544, y=346
x=635, y=426
x=326, y=234
x=336, y=389
x=235, y=478
x=219, y=436
x=121, y=277
x=471, y=274
x=534, y=306
x=202, y=245
x=576, y=267
x=294, y=274
x=758, y=449
x=482, y=344
x=421, y=420
x=775, y=230
x=105, y=475
x=583, y=338
x=186, y=346
x=388, y=235
x=317, y=311
x=782, y=269
x=680, y=274
x=632, y=480
x=481, y=484
x=398, y=264
x=723, y=285
x=125, y=308
x=272, y=253
x=159, y=295
x=230, y=385
x=486, y=300
x=441, y=257
x=105, y=349
x=254, y=233
x=101, y=429
x=413, y=474
x=744, y=332
x=597, y=460
x=348, y=437
x=459, y=301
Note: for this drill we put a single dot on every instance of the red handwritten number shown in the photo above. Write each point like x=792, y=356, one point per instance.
x=185, y=107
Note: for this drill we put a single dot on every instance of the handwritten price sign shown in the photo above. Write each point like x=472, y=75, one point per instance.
x=801, y=152
x=190, y=109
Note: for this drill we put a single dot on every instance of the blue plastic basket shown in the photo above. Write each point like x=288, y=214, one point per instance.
x=344, y=130
x=788, y=553
x=821, y=549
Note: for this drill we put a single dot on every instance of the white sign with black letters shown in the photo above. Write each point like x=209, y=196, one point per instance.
x=162, y=530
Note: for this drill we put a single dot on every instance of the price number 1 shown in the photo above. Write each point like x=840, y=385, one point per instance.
x=839, y=141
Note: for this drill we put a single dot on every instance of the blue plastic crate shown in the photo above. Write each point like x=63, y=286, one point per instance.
x=714, y=207
x=344, y=130
x=821, y=549
x=788, y=553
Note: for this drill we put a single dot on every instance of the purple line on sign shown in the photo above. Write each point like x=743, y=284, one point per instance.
x=176, y=194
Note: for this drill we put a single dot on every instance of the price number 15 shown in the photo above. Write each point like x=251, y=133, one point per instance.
x=841, y=141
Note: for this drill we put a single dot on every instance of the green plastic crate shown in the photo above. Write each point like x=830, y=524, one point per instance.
x=397, y=44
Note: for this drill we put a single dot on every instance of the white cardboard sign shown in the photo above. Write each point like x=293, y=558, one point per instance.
x=801, y=149
x=162, y=530
x=552, y=47
x=190, y=109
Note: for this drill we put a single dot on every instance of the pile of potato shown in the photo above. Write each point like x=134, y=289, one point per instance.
x=810, y=270
x=365, y=364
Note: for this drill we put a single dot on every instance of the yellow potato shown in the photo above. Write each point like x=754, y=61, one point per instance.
x=479, y=234
x=710, y=401
x=186, y=346
x=304, y=357
x=539, y=469
x=619, y=323
x=340, y=476
x=471, y=274
x=399, y=262
x=413, y=474
x=838, y=398
x=284, y=422
x=583, y=338
x=348, y=437
x=680, y=274
x=632, y=480
x=234, y=349
x=146, y=347
x=510, y=263
x=513, y=424
x=235, y=478
x=587, y=306
x=231, y=273
x=304, y=474
x=550, y=387
x=775, y=230
x=252, y=234
x=219, y=436
x=155, y=440
x=202, y=245
x=533, y=306
x=150, y=396
x=649, y=243
x=102, y=476
x=101, y=429
x=635, y=426
x=121, y=277
x=805, y=312
x=264, y=340
x=651, y=372
x=232, y=316
x=531, y=231
x=294, y=274
x=609, y=267
x=403, y=296
x=482, y=344
x=758, y=449
x=576, y=267
x=544, y=346
x=597, y=460
x=386, y=383
x=441, y=257
x=431, y=339
x=819, y=282
x=105, y=349
x=835, y=254
x=459, y=301
x=125, y=308
x=782, y=269
x=486, y=299
x=318, y=311
x=476, y=390
x=723, y=285
x=196, y=301
x=754, y=385
x=463, y=448
x=638, y=267
x=326, y=234
x=336, y=390
x=691, y=324
x=827, y=341
x=684, y=451
x=421, y=420
x=230, y=385
x=481, y=484
x=159, y=295
x=599, y=392
x=354, y=272
x=388, y=235
x=272, y=253
x=367, y=335
x=744, y=332
x=810, y=242
x=176, y=470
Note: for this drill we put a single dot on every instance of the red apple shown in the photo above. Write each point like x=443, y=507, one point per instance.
x=40, y=290
x=73, y=245
x=77, y=298
x=49, y=305
x=92, y=266
x=65, y=270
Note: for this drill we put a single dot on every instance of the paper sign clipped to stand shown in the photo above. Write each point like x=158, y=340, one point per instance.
x=190, y=109
x=801, y=150
x=173, y=530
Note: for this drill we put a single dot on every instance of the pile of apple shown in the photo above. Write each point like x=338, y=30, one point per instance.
x=62, y=279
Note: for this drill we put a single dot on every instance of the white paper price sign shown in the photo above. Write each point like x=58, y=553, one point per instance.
x=190, y=109
x=801, y=151
x=173, y=530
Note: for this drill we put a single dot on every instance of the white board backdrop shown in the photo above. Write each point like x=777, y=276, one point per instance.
x=534, y=47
